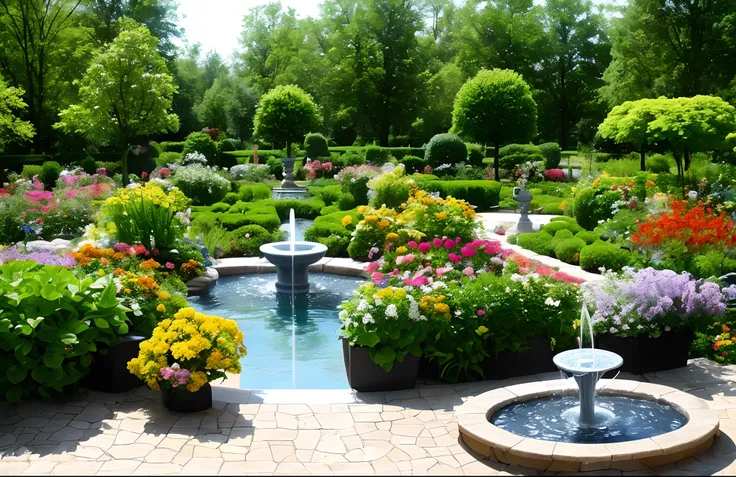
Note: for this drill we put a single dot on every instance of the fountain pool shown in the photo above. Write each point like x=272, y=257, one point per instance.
x=265, y=317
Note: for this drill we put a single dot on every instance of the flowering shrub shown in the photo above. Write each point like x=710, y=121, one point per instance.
x=14, y=254
x=201, y=184
x=554, y=175
x=317, y=169
x=355, y=180
x=650, y=301
x=718, y=342
x=529, y=172
x=250, y=172
x=194, y=158
x=189, y=351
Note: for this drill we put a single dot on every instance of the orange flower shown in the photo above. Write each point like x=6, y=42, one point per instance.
x=147, y=283
x=150, y=264
x=725, y=328
x=119, y=271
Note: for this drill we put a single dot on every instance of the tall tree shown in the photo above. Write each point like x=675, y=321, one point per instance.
x=292, y=103
x=30, y=31
x=672, y=48
x=12, y=129
x=572, y=70
x=126, y=93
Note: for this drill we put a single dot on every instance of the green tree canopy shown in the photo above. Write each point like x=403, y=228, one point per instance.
x=12, y=129
x=285, y=114
x=495, y=107
x=628, y=123
x=126, y=93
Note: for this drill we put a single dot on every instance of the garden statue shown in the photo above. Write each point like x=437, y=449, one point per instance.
x=524, y=198
x=289, y=189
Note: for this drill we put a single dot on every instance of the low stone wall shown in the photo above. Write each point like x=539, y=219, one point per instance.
x=250, y=265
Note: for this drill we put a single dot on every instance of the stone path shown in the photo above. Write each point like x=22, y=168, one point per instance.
x=410, y=432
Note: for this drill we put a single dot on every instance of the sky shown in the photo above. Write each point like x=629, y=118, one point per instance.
x=217, y=24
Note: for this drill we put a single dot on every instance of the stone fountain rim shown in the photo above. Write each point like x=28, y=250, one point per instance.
x=317, y=248
x=493, y=442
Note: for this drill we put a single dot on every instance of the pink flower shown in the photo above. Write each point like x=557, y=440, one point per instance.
x=372, y=251
x=567, y=278
x=544, y=270
x=144, y=175
x=372, y=267
x=388, y=246
x=166, y=373
x=632, y=204
x=412, y=244
x=102, y=171
x=404, y=259
x=442, y=270
x=170, y=265
x=417, y=281
x=457, y=240
x=455, y=258
x=70, y=194
x=377, y=277
x=424, y=247
x=155, y=252
x=164, y=172
x=493, y=247
x=437, y=242
x=395, y=272
x=469, y=271
x=247, y=236
x=449, y=244
x=480, y=312
x=3, y=191
x=468, y=252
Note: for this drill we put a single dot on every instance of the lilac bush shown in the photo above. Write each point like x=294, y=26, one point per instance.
x=14, y=254
x=650, y=301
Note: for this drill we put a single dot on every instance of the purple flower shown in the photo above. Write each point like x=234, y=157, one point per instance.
x=13, y=254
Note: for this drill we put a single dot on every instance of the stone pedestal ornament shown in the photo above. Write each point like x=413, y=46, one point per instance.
x=289, y=189
x=524, y=198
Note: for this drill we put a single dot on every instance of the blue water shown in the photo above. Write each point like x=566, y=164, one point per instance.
x=550, y=419
x=265, y=319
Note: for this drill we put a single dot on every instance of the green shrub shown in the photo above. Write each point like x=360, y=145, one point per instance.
x=512, y=239
x=353, y=158
x=201, y=184
x=328, y=230
x=53, y=320
x=246, y=241
x=346, y=201
x=552, y=154
x=231, y=198
x=658, y=163
x=89, y=164
x=315, y=146
x=202, y=143
x=413, y=164
x=304, y=209
x=111, y=168
x=172, y=146
x=220, y=207
x=552, y=208
x=376, y=155
x=538, y=242
x=602, y=255
x=30, y=170
x=390, y=190
x=592, y=206
x=514, y=154
x=224, y=160
x=552, y=227
x=475, y=155
x=275, y=167
x=226, y=145
x=330, y=209
x=253, y=192
x=483, y=194
x=587, y=237
x=560, y=236
x=445, y=149
x=233, y=221
x=329, y=194
x=50, y=172
x=563, y=219
x=569, y=250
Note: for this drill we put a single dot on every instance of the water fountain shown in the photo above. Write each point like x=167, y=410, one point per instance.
x=289, y=189
x=550, y=425
x=292, y=260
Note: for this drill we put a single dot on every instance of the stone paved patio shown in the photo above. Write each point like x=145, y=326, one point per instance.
x=409, y=432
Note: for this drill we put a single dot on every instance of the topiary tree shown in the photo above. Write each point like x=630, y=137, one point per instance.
x=202, y=143
x=285, y=114
x=315, y=146
x=125, y=93
x=445, y=149
x=12, y=129
x=552, y=154
x=495, y=107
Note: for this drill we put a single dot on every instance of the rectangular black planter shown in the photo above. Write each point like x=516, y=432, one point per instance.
x=366, y=376
x=643, y=354
x=109, y=373
x=184, y=401
x=535, y=358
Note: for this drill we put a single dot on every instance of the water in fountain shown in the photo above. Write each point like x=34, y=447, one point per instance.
x=292, y=241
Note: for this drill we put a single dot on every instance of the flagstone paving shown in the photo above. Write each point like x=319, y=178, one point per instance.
x=410, y=432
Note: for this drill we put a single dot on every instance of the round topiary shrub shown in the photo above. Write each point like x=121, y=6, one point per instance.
x=345, y=201
x=231, y=198
x=561, y=235
x=587, y=236
x=202, y=143
x=552, y=154
x=413, y=164
x=315, y=146
x=515, y=154
x=445, y=149
x=89, y=164
x=569, y=250
x=50, y=173
x=201, y=184
x=540, y=243
x=475, y=155
x=246, y=241
x=553, y=227
x=602, y=255
x=220, y=207
x=658, y=163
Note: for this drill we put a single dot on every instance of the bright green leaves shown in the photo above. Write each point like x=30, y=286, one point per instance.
x=369, y=340
x=276, y=106
x=12, y=129
x=384, y=357
x=53, y=360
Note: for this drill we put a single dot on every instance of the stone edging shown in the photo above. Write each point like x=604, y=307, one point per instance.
x=250, y=265
x=503, y=446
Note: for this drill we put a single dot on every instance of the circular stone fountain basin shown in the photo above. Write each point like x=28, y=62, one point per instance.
x=686, y=426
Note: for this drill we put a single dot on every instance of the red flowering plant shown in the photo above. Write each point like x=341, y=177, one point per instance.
x=690, y=237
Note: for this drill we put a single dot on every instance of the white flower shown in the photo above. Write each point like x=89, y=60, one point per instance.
x=391, y=311
x=343, y=315
x=175, y=366
x=625, y=327
x=667, y=328
x=550, y=302
x=362, y=305
x=368, y=318
x=612, y=330
x=508, y=289
x=693, y=194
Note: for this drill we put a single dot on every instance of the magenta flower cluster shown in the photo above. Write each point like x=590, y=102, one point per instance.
x=175, y=375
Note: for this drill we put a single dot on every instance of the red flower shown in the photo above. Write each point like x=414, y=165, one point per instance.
x=724, y=354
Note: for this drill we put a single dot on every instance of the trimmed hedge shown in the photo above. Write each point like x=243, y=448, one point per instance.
x=553, y=227
x=515, y=154
x=172, y=146
x=413, y=164
x=253, y=192
x=569, y=250
x=328, y=230
x=445, y=149
x=538, y=242
x=552, y=154
x=303, y=209
x=588, y=237
x=315, y=146
x=483, y=194
x=602, y=254
x=241, y=246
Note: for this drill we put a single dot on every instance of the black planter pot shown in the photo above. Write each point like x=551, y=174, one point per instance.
x=535, y=358
x=184, y=401
x=429, y=369
x=109, y=373
x=366, y=376
x=643, y=354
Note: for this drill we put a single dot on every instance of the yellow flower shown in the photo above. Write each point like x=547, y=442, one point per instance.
x=443, y=308
x=596, y=182
x=371, y=219
x=441, y=215
x=362, y=209
x=384, y=223
x=481, y=330
x=101, y=272
x=161, y=308
x=392, y=236
x=402, y=250
x=163, y=296
x=347, y=220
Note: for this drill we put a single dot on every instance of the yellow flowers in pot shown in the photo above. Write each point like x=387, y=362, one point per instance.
x=189, y=351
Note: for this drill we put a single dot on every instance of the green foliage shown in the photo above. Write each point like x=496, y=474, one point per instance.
x=445, y=149
x=390, y=189
x=483, y=194
x=31, y=170
x=246, y=241
x=52, y=321
x=587, y=236
x=253, y=192
x=413, y=164
x=658, y=164
x=202, y=143
x=231, y=198
x=89, y=164
x=345, y=201
x=12, y=128
x=220, y=207
x=515, y=154
x=538, y=242
x=315, y=146
x=602, y=255
x=201, y=184
x=172, y=146
x=304, y=209
x=475, y=155
x=552, y=154
x=266, y=218
x=593, y=205
x=166, y=158
x=329, y=231
x=126, y=93
x=285, y=115
x=552, y=227
x=50, y=173
x=376, y=155
x=329, y=194
x=275, y=167
x=569, y=250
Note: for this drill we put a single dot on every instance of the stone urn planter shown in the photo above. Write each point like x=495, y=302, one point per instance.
x=109, y=372
x=184, y=401
x=643, y=354
x=201, y=284
x=535, y=357
x=366, y=376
